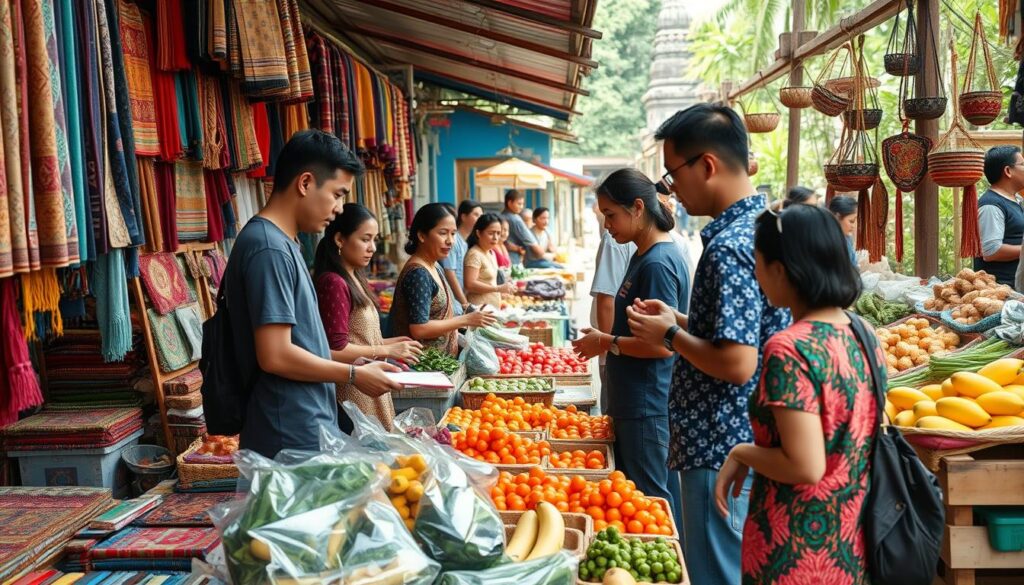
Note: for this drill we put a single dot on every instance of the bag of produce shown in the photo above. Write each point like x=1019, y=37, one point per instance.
x=558, y=569
x=503, y=338
x=418, y=422
x=311, y=518
x=442, y=495
x=479, y=356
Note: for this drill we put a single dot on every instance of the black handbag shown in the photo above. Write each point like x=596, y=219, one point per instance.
x=226, y=388
x=903, y=515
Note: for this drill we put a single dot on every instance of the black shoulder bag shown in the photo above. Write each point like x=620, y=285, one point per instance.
x=903, y=515
x=226, y=388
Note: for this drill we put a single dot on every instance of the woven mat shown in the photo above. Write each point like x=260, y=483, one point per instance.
x=164, y=282
x=186, y=402
x=171, y=351
x=157, y=542
x=191, y=381
x=98, y=420
x=184, y=509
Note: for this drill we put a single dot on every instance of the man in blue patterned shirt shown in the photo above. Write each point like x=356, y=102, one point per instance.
x=721, y=339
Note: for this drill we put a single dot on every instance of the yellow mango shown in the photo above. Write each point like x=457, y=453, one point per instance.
x=905, y=398
x=964, y=411
x=1001, y=403
x=973, y=385
x=947, y=388
x=922, y=409
x=941, y=423
x=905, y=419
x=934, y=391
x=1004, y=421
x=1003, y=371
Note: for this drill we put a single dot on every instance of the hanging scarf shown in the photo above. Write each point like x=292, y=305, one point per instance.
x=167, y=201
x=264, y=64
x=345, y=102
x=171, y=52
x=300, y=77
x=241, y=113
x=61, y=136
x=150, y=206
x=296, y=119
x=323, y=103
x=194, y=17
x=227, y=208
x=69, y=55
x=9, y=126
x=110, y=285
x=6, y=264
x=93, y=122
x=216, y=195
x=165, y=100
x=46, y=186
x=190, y=118
x=218, y=31
x=261, y=125
x=140, y=83
x=22, y=89
x=190, y=197
x=19, y=386
x=212, y=122
x=127, y=201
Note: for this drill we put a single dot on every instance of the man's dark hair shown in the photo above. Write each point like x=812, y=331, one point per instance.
x=841, y=206
x=708, y=128
x=812, y=248
x=465, y=208
x=539, y=212
x=511, y=195
x=316, y=152
x=998, y=158
x=797, y=194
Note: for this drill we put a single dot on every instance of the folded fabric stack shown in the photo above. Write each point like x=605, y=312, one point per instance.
x=183, y=399
x=77, y=376
x=54, y=577
x=185, y=509
x=154, y=548
x=75, y=429
x=36, y=522
x=124, y=513
x=76, y=555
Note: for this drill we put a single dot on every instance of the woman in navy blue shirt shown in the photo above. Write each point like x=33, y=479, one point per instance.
x=639, y=374
x=844, y=209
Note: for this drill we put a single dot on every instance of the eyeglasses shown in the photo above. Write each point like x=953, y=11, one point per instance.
x=664, y=186
x=778, y=215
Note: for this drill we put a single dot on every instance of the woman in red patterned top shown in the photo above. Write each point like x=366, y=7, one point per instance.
x=814, y=414
x=348, y=308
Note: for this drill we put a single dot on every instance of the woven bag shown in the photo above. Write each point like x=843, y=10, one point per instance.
x=980, y=107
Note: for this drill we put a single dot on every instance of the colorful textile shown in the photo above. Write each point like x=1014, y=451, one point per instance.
x=124, y=513
x=171, y=52
x=92, y=126
x=47, y=192
x=189, y=115
x=110, y=285
x=262, y=127
x=218, y=27
x=300, y=76
x=210, y=108
x=69, y=63
x=813, y=533
x=263, y=62
x=140, y=82
x=217, y=195
x=186, y=383
x=320, y=61
x=13, y=241
x=19, y=385
x=247, y=149
x=190, y=201
x=191, y=326
x=185, y=510
x=149, y=195
x=164, y=283
x=171, y=352
x=99, y=427
x=157, y=543
x=167, y=200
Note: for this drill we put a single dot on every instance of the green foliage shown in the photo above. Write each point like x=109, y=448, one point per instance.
x=613, y=115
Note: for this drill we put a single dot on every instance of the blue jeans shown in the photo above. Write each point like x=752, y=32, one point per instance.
x=641, y=452
x=542, y=263
x=711, y=544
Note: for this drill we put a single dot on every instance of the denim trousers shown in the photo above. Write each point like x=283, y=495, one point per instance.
x=641, y=452
x=711, y=543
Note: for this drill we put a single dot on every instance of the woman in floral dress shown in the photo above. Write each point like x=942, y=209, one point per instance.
x=814, y=415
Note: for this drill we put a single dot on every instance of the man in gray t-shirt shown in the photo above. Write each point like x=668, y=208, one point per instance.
x=278, y=333
x=519, y=236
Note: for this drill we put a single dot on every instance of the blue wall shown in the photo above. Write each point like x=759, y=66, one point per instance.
x=473, y=136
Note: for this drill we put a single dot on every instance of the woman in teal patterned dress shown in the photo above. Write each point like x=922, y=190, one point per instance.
x=814, y=414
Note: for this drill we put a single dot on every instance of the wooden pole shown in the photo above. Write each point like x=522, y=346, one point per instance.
x=926, y=197
x=796, y=79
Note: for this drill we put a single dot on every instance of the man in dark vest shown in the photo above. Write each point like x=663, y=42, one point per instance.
x=1001, y=214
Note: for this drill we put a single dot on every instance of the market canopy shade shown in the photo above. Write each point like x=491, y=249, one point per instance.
x=515, y=172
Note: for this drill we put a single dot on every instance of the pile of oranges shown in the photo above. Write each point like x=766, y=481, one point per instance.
x=515, y=414
x=578, y=459
x=610, y=502
x=499, y=447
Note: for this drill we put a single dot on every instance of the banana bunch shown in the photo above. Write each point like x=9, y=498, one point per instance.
x=991, y=398
x=538, y=534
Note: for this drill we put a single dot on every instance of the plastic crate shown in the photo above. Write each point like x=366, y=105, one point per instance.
x=100, y=467
x=1005, y=527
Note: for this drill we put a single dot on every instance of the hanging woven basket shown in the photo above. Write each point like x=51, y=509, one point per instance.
x=980, y=107
x=901, y=58
x=762, y=122
x=925, y=108
x=957, y=159
x=796, y=97
x=856, y=176
x=902, y=64
x=824, y=98
x=863, y=119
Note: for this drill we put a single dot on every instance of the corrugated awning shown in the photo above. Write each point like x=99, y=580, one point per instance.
x=581, y=180
x=530, y=54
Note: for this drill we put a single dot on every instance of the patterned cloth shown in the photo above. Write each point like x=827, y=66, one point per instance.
x=418, y=299
x=186, y=383
x=152, y=543
x=140, y=82
x=192, y=327
x=185, y=510
x=190, y=193
x=262, y=61
x=164, y=282
x=171, y=351
x=706, y=415
x=813, y=533
x=99, y=427
x=14, y=247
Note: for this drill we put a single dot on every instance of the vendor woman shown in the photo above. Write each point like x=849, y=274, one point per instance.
x=481, y=265
x=638, y=373
x=423, y=307
x=349, y=310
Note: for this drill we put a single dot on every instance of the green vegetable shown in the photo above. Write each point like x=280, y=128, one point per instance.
x=653, y=560
x=878, y=311
x=941, y=367
x=435, y=360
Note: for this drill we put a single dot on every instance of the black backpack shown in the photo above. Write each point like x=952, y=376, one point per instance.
x=226, y=388
x=903, y=515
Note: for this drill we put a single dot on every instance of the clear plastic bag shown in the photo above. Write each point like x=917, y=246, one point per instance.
x=479, y=356
x=558, y=569
x=453, y=518
x=317, y=518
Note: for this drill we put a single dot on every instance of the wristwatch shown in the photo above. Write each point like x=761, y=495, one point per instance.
x=614, y=347
x=670, y=336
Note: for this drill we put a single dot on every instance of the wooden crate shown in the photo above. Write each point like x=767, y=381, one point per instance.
x=472, y=400
x=591, y=474
x=684, y=578
x=574, y=543
x=994, y=477
x=580, y=522
x=545, y=335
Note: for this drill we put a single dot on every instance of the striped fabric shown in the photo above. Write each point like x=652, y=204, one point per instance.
x=190, y=208
x=140, y=83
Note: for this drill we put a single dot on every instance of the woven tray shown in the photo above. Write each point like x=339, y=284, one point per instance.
x=189, y=473
x=575, y=543
x=684, y=578
x=591, y=474
x=580, y=522
x=472, y=400
x=934, y=444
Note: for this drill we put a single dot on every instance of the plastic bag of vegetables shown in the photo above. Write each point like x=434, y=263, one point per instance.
x=479, y=356
x=503, y=338
x=311, y=518
x=450, y=513
x=558, y=569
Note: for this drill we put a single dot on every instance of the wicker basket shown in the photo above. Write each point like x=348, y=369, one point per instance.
x=981, y=107
x=762, y=122
x=684, y=578
x=591, y=474
x=956, y=168
x=872, y=118
x=856, y=176
x=581, y=522
x=575, y=543
x=828, y=102
x=189, y=473
x=902, y=64
x=545, y=335
x=474, y=399
x=796, y=97
x=925, y=108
